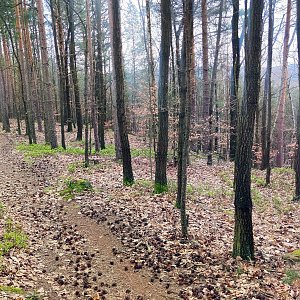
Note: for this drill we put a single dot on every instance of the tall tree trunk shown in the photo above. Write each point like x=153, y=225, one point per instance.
x=205, y=80
x=243, y=245
x=114, y=7
x=22, y=66
x=297, y=154
x=4, y=92
x=187, y=69
x=91, y=77
x=267, y=100
x=73, y=70
x=213, y=84
x=100, y=85
x=234, y=86
x=279, y=125
x=60, y=64
x=163, y=115
x=50, y=133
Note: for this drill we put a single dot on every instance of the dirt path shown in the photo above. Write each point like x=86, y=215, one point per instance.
x=69, y=256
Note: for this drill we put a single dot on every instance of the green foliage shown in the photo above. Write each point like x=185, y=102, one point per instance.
x=111, y=152
x=290, y=276
x=38, y=150
x=226, y=178
x=2, y=210
x=258, y=199
x=160, y=188
x=75, y=186
x=13, y=237
x=144, y=183
x=11, y=289
x=34, y=296
x=283, y=170
x=240, y=271
x=128, y=182
x=258, y=180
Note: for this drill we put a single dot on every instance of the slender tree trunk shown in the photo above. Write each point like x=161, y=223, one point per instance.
x=205, y=88
x=243, y=245
x=100, y=89
x=213, y=84
x=234, y=86
x=60, y=66
x=267, y=100
x=185, y=108
x=163, y=115
x=50, y=133
x=279, y=126
x=73, y=70
x=114, y=7
x=4, y=92
x=297, y=154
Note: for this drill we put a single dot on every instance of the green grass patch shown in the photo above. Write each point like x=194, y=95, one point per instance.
x=258, y=200
x=258, y=180
x=33, y=296
x=160, y=188
x=290, y=276
x=144, y=183
x=2, y=210
x=283, y=170
x=11, y=289
x=225, y=177
x=75, y=186
x=13, y=237
x=38, y=150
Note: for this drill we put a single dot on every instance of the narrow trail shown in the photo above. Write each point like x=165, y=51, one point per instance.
x=69, y=256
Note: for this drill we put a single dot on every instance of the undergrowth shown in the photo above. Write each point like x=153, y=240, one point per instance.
x=12, y=237
x=75, y=186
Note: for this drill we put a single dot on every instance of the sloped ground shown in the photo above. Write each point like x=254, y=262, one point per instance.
x=68, y=256
x=147, y=228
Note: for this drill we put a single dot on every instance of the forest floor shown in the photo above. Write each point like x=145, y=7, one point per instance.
x=107, y=241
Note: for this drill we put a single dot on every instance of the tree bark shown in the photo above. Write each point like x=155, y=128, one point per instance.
x=73, y=70
x=243, y=232
x=205, y=86
x=213, y=84
x=100, y=85
x=187, y=69
x=163, y=115
x=279, y=125
x=297, y=154
x=50, y=133
x=267, y=100
x=114, y=7
x=234, y=86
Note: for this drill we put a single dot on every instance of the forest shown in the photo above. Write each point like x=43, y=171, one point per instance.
x=149, y=149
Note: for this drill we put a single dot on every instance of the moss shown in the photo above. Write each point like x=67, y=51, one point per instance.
x=160, y=188
x=11, y=289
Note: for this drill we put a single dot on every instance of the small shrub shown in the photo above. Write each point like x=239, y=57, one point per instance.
x=258, y=180
x=74, y=186
x=160, y=188
x=13, y=237
x=290, y=276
